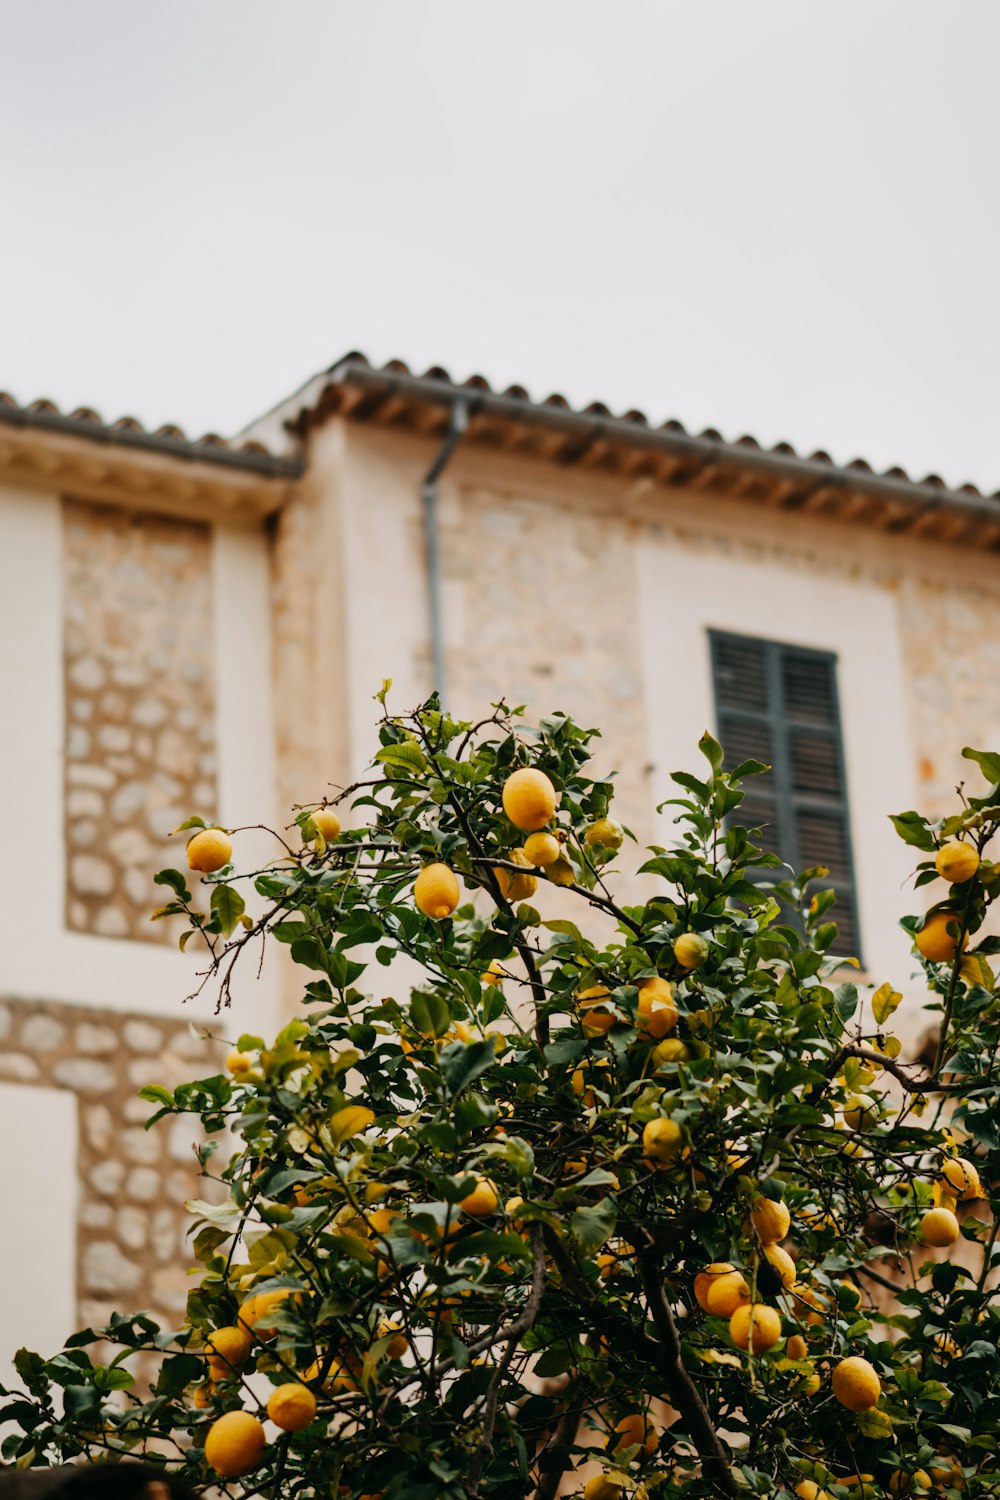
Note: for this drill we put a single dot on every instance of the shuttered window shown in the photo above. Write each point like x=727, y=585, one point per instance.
x=778, y=704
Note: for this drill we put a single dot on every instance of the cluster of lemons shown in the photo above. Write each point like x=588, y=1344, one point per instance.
x=722, y=1291
x=958, y=1183
x=956, y=861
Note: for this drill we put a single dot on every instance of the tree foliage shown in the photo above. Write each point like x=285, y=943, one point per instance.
x=468, y=1217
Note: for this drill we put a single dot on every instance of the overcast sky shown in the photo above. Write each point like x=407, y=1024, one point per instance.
x=777, y=217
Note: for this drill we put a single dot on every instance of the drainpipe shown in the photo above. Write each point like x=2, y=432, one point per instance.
x=458, y=421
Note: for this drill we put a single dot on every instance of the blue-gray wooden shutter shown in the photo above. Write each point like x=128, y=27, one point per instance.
x=779, y=704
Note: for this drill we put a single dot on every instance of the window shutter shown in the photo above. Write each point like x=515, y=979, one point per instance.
x=779, y=704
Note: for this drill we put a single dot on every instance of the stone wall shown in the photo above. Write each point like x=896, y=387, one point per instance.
x=951, y=639
x=140, y=707
x=132, y=1254
x=549, y=619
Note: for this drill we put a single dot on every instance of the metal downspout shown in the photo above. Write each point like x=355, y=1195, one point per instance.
x=458, y=421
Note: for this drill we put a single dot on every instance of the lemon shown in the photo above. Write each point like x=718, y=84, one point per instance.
x=755, y=1324
x=770, y=1221
x=596, y=1018
x=209, y=850
x=482, y=1201
x=235, y=1444
x=861, y=1113
x=326, y=823
x=291, y=1406
x=600, y=1487
x=672, y=1050
x=238, y=1063
x=657, y=1013
x=939, y=1226
x=782, y=1263
x=494, y=974
x=935, y=941
x=690, y=950
x=796, y=1347
x=203, y=1396
x=636, y=1429
x=516, y=887
x=228, y=1351
x=542, y=849
x=706, y=1279
x=604, y=833
x=661, y=1140
x=560, y=871
x=435, y=891
x=960, y=1177
x=529, y=799
x=808, y=1489
x=956, y=861
x=901, y=1483
x=726, y=1294
x=856, y=1384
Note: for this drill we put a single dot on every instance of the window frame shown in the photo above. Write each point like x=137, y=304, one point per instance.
x=788, y=802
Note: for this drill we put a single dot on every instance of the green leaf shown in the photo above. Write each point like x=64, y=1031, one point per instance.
x=227, y=906
x=912, y=829
x=846, y=1001
x=175, y=880
x=461, y=1062
x=594, y=1226
x=429, y=1013
x=712, y=751
x=192, y=822
x=988, y=762
x=403, y=757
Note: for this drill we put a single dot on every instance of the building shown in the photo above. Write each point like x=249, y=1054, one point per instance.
x=201, y=625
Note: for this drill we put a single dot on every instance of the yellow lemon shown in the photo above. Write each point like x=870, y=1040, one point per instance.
x=956, y=861
x=238, y=1062
x=690, y=950
x=706, y=1279
x=235, y=1444
x=228, y=1351
x=661, y=1140
x=596, y=1018
x=657, y=1013
x=635, y=1428
x=808, y=1489
x=935, y=941
x=755, y=1324
x=203, y=1396
x=939, y=1226
x=901, y=1483
x=671, y=1050
x=961, y=1178
x=529, y=799
x=435, y=891
x=600, y=1487
x=560, y=872
x=516, y=887
x=494, y=974
x=604, y=833
x=770, y=1221
x=726, y=1294
x=209, y=850
x=861, y=1113
x=326, y=823
x=542, y=849
x=482, y=1201
x=782, y=1263
x=796, y=1347
x=856, y=1384
x=291, y=1406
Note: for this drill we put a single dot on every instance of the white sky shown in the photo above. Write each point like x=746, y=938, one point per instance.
x=775, y=216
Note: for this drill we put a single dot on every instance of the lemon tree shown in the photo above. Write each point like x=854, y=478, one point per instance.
x=544, y=1191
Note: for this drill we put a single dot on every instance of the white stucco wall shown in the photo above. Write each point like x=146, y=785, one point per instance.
x=38, y=956
x=37, y=1261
